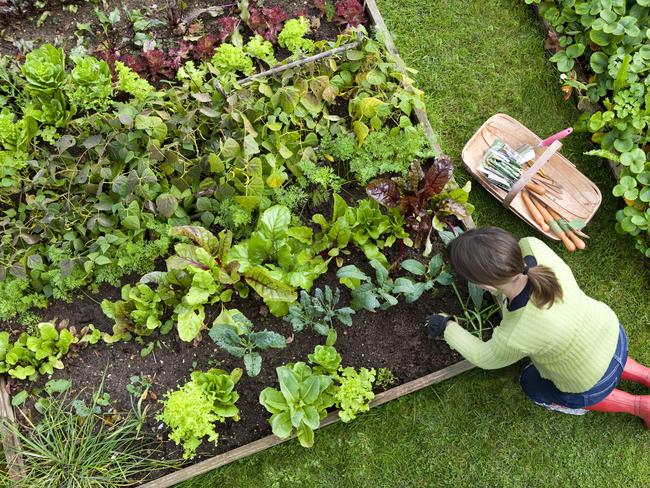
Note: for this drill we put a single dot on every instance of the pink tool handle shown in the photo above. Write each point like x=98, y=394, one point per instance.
x=556, y=137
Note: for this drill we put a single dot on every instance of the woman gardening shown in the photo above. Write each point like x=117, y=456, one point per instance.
x=577, y=347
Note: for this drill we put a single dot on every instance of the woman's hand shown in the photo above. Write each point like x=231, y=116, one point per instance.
x=436, y=324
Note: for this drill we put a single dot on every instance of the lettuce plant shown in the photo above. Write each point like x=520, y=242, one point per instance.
x=130, y=82
x=192, y=411
x=261, y=49
x=139, y=311
x=230, y=59
x=292, y=37
x=354, y=393
x=300, y=403
x=233, y=332
x=31, y=355
x=325, y=360
x=91, y=84
x=44, y=70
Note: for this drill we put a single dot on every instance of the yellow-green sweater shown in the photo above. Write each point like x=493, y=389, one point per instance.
x=571, y=343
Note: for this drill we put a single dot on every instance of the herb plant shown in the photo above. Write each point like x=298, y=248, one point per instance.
x=233, y=332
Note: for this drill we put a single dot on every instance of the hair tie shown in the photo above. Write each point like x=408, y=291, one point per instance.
x=526, y=268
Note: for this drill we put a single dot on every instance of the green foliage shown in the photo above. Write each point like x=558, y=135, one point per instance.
x=139, y=311
x=230, y=59
x=365, y=225
x=611, y=36
x=318, y=311
x=277, y=258
x=32, y=355
x=91, y=86
x=300, y=403
x=44, y=70
x=354, y=393
x=383, y=151
x=261, y=49
x=366, y=294
x=130, y=82
x=70, y=447
x=385, y=378
x=292, y=37
x=210, y=397
x=233, y=332
x=325, y=360
x=427, y=277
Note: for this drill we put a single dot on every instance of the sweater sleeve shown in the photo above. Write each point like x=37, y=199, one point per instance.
x=493, y=354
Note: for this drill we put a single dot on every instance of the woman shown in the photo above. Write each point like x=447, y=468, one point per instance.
x=577, y=348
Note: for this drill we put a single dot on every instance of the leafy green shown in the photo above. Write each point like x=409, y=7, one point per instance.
x=261, y=49
x=354, y=393
x=130, y=82
x=233, y=332
x=292, y=37
x=318, y=311
x=210, y=397
x=91, y=84
x=44, y=70
x=300, y=403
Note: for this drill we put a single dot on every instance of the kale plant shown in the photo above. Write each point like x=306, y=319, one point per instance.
x=318, y=311
x=233, y=332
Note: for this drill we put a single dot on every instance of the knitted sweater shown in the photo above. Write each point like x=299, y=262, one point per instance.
x=571, y=343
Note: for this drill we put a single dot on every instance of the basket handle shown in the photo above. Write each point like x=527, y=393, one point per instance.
x=532, y=171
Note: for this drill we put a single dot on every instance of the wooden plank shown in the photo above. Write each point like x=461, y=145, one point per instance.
x=378, y=21
x=271, y=440
x=10, y=442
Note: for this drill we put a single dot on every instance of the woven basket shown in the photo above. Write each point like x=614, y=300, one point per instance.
x=578, y=198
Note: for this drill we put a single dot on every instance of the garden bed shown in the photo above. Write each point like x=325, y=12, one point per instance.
x=393, y=339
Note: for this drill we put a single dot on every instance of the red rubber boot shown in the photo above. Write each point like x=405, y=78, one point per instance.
x=638, y=373
x=620, y=401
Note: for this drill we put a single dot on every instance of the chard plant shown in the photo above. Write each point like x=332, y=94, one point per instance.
x=210, y=397
x=300, y=403
x=318, y=311
x=427, y=277
x=423, y=197
x=234, y=333
x=367, y=294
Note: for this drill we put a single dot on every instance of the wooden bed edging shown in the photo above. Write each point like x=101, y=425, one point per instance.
x=271, y=440
x=10, y=443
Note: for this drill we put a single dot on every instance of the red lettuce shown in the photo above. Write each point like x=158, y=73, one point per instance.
x=267, y=21
x=349, y=12
x=204, y=47
x=227, y=26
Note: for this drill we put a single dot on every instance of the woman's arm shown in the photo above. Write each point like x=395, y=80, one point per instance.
x=493, y=354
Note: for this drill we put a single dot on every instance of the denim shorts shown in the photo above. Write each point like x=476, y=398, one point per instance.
x=544, y=392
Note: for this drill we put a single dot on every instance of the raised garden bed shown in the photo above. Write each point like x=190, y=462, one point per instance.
x=393, y=339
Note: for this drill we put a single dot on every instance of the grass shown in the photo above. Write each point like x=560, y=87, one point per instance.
x=475, y=59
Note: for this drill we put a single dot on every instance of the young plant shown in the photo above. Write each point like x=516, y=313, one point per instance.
x=32, y=355
x=292, y=37
x=354, y=393
x=277, y=258
x=476, y=318
x=300, y=403
x=429, y=275
x=139, y=312
x=325, y=359
x=233, y=332
x=365, y=294
x=421, y=197
x=385, y=378
x=318, y=311
x=68, y=449
x=210, y=397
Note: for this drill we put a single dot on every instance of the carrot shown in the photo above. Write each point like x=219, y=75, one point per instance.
x=535, y=188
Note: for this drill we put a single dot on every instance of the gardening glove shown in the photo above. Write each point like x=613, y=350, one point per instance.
x=436, y=324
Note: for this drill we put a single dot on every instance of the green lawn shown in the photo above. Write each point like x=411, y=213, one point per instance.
x=477, y=58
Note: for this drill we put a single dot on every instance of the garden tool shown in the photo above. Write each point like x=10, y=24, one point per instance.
x=527, y=152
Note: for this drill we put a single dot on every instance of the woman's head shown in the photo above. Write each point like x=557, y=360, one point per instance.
x=491, y=257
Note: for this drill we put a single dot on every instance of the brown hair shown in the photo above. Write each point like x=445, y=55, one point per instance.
x=492, y=256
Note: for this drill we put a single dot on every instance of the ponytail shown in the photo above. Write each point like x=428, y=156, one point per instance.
x=492, y=256
x=546, y=288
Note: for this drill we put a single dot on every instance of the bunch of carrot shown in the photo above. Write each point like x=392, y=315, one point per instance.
x=549, y=220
